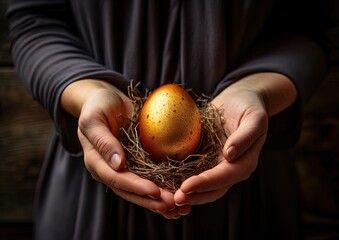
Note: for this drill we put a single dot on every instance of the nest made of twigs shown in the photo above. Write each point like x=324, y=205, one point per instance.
x=170, y=174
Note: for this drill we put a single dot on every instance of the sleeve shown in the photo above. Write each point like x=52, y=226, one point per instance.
x=48, y=56
x=294, y=43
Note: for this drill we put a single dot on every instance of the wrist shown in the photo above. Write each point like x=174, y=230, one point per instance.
x=76, y=94
x=277, y=91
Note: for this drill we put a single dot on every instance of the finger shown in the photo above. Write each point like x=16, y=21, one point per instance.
x=155, y=205
x=184, y=210
x=126, y=181
x=214, y=183
x=98, y=135
x=177, y=212
x=223, y=175
x=123, y=179
x=215, y=178
x=252, y=128
x=209, y=185
x=172, y=214
x=168, y=197
x=183, y=199
x=164, y=205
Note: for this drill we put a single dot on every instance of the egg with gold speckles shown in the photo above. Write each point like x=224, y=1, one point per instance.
x=169, y=124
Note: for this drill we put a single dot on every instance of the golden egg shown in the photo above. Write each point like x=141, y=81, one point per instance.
x=169, y=124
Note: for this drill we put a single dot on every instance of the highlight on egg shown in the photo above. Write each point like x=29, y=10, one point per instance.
x=169, y=124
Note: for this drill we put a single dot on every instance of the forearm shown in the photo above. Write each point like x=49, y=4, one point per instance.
x=48, y=56
x=276, y=90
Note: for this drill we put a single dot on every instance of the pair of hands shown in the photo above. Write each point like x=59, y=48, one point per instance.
x=246, y=106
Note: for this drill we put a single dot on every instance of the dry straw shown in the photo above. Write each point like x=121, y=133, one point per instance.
x=170, y=174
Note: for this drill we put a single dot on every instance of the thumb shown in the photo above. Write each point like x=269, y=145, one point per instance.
x=117, y=158
x=245, y=136
x=98, y=137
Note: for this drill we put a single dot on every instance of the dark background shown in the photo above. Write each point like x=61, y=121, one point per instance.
x=25, y=128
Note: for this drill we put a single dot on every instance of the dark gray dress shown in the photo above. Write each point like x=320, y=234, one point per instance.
x=205, y=45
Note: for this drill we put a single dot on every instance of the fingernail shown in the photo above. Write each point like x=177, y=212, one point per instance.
x=160, y=212
x=180, y=204
x=152, y=197
x=231, y=153
x=116, y=161
x=184, y=213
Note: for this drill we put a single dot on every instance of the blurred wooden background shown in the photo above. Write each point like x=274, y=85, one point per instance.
x=24, y=132
x=25, y=128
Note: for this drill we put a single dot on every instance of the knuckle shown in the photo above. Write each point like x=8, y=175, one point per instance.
x=249, y=171
x=114, y=183
x=91, y=170
x=84, y=120
x=88, y=166
x=158, y=207
x=249, y=140
x=95, y=177
x=102, y=144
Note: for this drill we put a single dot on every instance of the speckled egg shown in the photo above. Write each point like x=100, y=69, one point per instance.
x=169, y=124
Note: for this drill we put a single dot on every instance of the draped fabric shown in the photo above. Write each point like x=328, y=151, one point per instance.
x=204, y=45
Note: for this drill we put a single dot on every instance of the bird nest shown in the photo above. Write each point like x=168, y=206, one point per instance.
x=171, y=173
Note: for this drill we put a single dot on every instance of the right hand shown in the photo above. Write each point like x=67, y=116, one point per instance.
x=103, y=110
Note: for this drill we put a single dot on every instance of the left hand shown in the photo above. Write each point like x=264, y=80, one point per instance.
x=246, y=105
